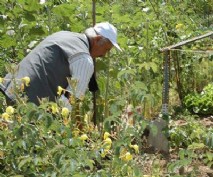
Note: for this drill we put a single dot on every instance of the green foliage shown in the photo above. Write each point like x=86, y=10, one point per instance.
x=142, y=30
x=38, y=142
x=208, y=159
x=200, y=103
x=209, y=139
x=190, y=133
x=189, y=156
x=183, y=162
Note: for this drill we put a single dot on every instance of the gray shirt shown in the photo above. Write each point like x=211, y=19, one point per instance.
x=60, y=55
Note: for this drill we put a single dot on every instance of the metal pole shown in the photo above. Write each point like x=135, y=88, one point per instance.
x=165, y=94
x=94, y=93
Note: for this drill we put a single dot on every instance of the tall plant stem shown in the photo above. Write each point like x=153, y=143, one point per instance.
x=106, y=107
x=49, y=19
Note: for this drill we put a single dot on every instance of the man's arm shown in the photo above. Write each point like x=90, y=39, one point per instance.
x=81, y=68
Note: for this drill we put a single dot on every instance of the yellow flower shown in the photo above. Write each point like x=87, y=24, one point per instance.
x=125, y=155
x=128, y=156
x=65, y=112
x=104, y=152
x=106, y=135
x=90, y=127
x=107, y=147
x=26, y=80
x=135, y=147
x=19, y=118
x=179, y=26
x=54, y=108
x=1, y=79
x=86, y=118
x=83, y=137
x=60, y=90
x=5, y=116
x=108, y=141
x=76, y=132
x=72, y=99
x=10, y=110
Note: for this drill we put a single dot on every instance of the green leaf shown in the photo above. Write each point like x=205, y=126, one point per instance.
x=3, y=138
x=2, y=175
x=55, y=125
x=140, y=85
x=31, y=6
x=79, y=175
x=29, y=16
x=7, y=41
x=108, y=120
x=90, y=163
x=54, y=174
x=136, y=171
x=38, y=160
x=24, y=161
x=126, y=72
x=209, y=156
x=181, y=154
x=195, y=146
x=210, y=164
x=63, y=10
x=100, y=65
x=32, y=114
x=37, y=30
x=48, y=119
x=154, y=67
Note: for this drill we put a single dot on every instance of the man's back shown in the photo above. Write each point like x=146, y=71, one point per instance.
x=47, y=65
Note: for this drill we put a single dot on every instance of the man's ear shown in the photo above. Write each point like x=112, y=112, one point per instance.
x=95, y=40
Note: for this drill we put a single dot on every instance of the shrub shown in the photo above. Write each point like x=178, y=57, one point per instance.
x=200, y=103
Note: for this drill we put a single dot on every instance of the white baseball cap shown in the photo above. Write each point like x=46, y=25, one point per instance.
x=108, y=31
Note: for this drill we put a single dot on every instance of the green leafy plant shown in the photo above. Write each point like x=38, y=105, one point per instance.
x=44, y=141
x=201, y=103
x=182, y=136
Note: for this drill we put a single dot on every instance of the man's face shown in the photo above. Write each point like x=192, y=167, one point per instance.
x=100, y=47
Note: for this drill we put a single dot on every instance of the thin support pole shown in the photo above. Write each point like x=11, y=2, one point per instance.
x=165, y=94
x=177, y=75
x=94, y=93
x=94, y=12
x=186, y=42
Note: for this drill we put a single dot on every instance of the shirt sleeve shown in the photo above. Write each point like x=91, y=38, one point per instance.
x=66, y=102
x=81, y=68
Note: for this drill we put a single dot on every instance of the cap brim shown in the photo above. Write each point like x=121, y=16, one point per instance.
x=117, y=47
